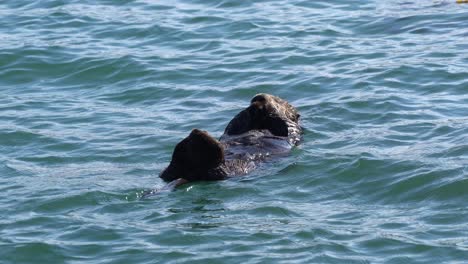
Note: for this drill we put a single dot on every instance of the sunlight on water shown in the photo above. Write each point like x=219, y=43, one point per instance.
x=96, y=94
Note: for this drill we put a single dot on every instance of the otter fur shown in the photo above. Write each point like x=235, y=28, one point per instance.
x=269, y=126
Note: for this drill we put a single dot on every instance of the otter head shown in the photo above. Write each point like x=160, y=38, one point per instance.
x=265, y=112
x=197, y=157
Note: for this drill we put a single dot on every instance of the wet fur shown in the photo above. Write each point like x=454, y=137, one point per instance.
x=268, y=126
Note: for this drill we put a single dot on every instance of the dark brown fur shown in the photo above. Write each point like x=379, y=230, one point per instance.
x=269, y=126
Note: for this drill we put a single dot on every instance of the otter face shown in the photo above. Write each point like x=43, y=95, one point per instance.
x=196, y=157
x=265, y=112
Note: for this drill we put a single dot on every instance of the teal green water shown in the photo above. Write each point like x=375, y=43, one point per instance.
x=94, y=95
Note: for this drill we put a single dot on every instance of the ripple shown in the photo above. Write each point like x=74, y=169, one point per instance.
x=35, y=251
x=96, y=94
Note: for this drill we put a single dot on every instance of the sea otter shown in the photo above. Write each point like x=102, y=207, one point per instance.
x=268, y=127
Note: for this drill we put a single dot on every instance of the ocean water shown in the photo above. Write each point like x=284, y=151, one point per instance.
x=94, y=95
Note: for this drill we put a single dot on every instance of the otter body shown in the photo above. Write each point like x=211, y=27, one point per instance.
x=268, y=127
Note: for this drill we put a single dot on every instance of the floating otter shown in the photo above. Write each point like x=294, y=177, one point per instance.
x=268, y=127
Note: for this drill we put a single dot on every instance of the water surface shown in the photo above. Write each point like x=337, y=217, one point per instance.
x=95, y=95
